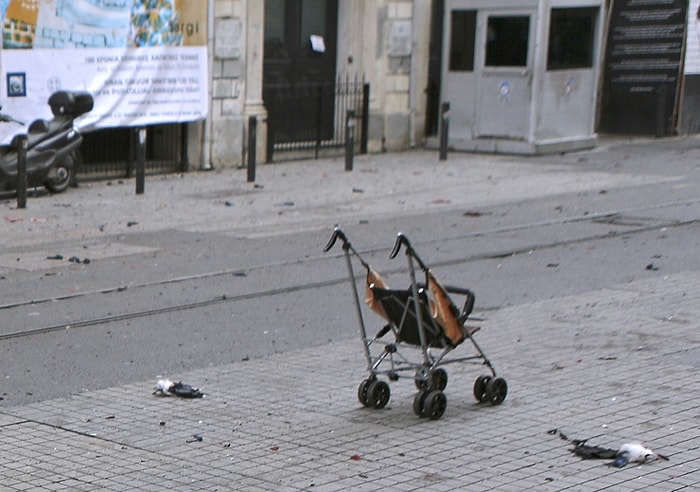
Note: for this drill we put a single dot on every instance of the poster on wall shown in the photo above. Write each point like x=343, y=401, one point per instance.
x=692, y=44
x=642, y=66
x=144, y=61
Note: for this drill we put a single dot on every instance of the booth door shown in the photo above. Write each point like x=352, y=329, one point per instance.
x=503, y=70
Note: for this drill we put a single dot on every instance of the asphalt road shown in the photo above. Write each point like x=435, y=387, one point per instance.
x=183, y=300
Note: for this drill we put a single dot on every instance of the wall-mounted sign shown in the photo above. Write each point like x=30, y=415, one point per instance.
x=642, y=66
x=144, y=62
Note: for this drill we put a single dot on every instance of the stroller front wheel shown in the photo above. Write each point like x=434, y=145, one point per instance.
x=378, y=394
x=480, y=388
x=435, y=404
x=430, y=404
x=362, y=393
x=496, y=391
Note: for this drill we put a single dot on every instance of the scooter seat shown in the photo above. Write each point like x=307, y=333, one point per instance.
x=39, y=126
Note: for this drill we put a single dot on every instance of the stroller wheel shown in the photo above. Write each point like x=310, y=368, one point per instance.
x=419, y=403
x=362, y=393
x=378, y=394
x=480, y=388
x=435, y=404
x=439, y=379
x=496, y=391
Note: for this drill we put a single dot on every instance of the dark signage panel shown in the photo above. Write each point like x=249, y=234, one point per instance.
x=642, y=66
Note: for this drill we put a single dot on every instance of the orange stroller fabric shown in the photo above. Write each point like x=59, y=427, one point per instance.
x=373, y=278
x=444, y=311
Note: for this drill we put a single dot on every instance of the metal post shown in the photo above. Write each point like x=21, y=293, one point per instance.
x=365, y=118
x=252, y=138
x=349, y=138
x=140, y=161
x=661, y=112
x=444, y=129
x=20, y=143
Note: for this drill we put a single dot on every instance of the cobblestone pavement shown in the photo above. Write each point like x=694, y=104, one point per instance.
x=610, y=366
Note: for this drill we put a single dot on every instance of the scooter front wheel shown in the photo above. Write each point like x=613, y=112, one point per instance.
x=60, y=175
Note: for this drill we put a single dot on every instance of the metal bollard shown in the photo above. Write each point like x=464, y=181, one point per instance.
x=444, y=129
x=20, y=143
x=252, y=139
x=349, y=139
x=140, y=161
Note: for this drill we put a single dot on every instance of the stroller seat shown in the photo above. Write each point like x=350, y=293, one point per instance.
x=400, y=310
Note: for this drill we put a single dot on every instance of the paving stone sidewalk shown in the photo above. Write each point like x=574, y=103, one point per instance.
x=610, y=366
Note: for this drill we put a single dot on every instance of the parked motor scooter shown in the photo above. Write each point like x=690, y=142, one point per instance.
x=52, y=145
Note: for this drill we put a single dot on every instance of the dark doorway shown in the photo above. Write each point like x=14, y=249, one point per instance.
x=299, y=68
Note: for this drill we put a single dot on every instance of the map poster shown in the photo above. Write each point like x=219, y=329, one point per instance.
x=144, y=61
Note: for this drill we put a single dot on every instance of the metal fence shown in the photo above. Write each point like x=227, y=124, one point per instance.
x=111, y=153
x=310, y=118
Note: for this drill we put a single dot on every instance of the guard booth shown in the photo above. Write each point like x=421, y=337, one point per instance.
x=521, y=76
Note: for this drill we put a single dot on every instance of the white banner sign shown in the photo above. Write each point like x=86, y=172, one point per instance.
x=144, y=62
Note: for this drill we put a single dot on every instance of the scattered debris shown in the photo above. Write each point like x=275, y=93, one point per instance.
x=75, y=259
x=166, y=387
x=632, y=452
x=472, y=213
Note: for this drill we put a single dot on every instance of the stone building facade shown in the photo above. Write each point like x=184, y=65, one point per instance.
x=384, y=41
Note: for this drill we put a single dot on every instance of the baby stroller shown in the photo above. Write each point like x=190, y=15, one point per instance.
x=425, y=325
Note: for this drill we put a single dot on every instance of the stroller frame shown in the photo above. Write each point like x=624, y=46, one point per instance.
x=412, y=319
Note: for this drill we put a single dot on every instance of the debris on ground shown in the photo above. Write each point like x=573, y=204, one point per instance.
x=631, y=452
x=75, y=259
x=195, y=438
x=166, y=387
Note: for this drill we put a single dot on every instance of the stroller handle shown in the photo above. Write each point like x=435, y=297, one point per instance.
x=401, y=239
x=337, y=233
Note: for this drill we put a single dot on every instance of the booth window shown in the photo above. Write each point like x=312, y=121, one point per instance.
x=507, y=41
x=571, y=38
x=462, y=36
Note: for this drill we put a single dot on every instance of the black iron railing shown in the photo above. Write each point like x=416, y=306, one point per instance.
x=307, y=118
x=111, y=153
